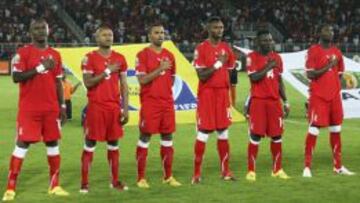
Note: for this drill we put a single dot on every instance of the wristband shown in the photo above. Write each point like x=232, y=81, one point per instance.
x=218, y=64
x=63, y=106
x=40, y=68
x=286, y=104
x=107, y=72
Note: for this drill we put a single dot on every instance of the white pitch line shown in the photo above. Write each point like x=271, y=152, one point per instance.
x=305, y=123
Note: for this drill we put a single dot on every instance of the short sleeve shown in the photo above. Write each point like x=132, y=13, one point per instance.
x=310, y=59
x=199, y=59
x=140, y=64
x=86, y=66
x=173, y=67
x=250, y=64
x=18, y=61
x=341, y=66
x=124, y=66
x=231, y=60
x=281, y=66
x=59, y=67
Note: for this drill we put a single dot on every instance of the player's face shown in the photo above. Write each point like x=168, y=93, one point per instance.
x=266, y=42
x=105, y=38
x=157, y=35
x=216, y=30
x=39, y=31
x=327, y=33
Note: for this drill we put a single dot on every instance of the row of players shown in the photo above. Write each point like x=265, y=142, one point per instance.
x=37, y=68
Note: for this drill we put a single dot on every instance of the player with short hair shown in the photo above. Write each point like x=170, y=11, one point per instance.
x=103, y=70
x=324, y=67
x=264, y=68
x=213, y=59
x=155, y=70
x=38, y=69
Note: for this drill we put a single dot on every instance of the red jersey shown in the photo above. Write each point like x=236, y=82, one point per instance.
x=160, y=89
x=38, y=93
x=205, y=56
x=328, y=85
x=105, y=94
x=269, y=86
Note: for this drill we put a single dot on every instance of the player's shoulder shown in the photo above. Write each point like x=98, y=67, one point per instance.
x=276, y=55
x=118, y=55
x=54, y=52
x=314, y=47
x=26, y=49
x=336, y=50
x=253, y=54
x=168, y=52
x=143, y=52
x=202, y=45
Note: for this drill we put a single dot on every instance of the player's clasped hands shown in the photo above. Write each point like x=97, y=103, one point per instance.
x=48, y=63
x=223, y=57
x=114, y=67
x=165, y=64
x=271, y=63
x=333, y=60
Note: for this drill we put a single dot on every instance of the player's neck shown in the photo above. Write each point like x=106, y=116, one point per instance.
x=325, y=44
x=214, y=41
x=104, y=51
x=40, y=45
x=156, y=49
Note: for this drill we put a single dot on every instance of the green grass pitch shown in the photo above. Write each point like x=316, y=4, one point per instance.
x=323, y=187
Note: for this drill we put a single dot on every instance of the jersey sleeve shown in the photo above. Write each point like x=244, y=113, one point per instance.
x=18, y=61
x=173, y=65
x=310, y=59
x=124, y=66
x=86, y=65
x=281, y=66
x=199, y=59
x=140, y=64
x=250, y=64
x=231, y=60
x=59, y=67
x=341, y=66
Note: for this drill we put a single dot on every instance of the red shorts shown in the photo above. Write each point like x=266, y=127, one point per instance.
x=213, y=109
x=323, y=113
x=38, y=126
x=102, y=125
x=157, y=117
x=265, y=117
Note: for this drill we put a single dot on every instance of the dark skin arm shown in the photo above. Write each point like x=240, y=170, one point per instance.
x=205, y=73
x=259, y=75
x=314, y=74
x=26, y=75
x=75, y=87
x=91, y=80
x=283, y=97
x=125, y=96
x=60, y=95
x=149, y=77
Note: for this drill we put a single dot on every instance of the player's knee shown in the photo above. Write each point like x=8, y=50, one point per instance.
x=313, y=130
x=21, y=144
x=223, y=134
x=335, y=128
x=167, y=137
x=90, y=143
x=255, y=139
x=113, y=143
x=203, y=137
x=276, y=139
x=144, y=137
x=51, y=143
